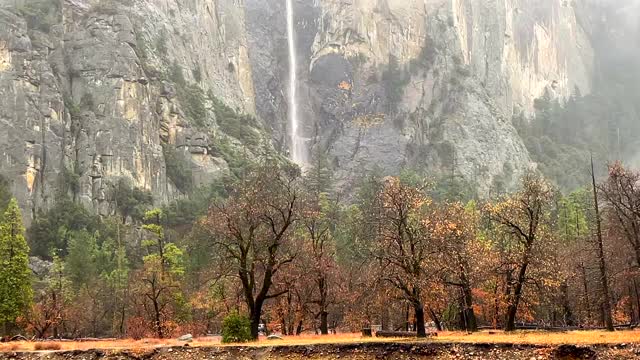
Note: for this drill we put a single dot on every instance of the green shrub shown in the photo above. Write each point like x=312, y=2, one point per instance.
x=427, y=57
x=178, y=169
x=51, y=229
x=190, y=96
x=240, y=126
x=87, y=102
x=236, y=328
x=70, y=181
x=186, y=211
x=176, y=75
x=161, y=44
x=131, y=201
x=358, y=60
x=237, y=159
x=394, y=79
x=141, y=47
x=72, y=107
x=192, y=99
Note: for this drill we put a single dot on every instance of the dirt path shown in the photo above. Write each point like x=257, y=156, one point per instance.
x=365, y=351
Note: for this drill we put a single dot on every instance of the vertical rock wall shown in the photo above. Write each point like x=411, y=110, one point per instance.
x=92, y=98
x=92, y=91
x=429, y=84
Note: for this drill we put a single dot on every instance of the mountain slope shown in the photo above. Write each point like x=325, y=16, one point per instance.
x=168, y=95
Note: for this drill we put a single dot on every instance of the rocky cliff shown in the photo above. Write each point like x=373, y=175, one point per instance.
x=429, y=84
x=94, y=91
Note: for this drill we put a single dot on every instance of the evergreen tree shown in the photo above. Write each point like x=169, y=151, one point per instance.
x=161, y=276
x=81, y=267
x=5, y=194
x=318, y=178
x=15, y=276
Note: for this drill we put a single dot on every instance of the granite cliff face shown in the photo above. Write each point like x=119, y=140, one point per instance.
x=430, y=84
x=91, y=91
x=94, y=91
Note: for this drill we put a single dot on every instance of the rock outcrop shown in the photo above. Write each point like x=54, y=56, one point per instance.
x=430, y=84
x=92, y=91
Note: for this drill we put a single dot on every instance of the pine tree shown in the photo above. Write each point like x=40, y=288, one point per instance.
x=15, y=277
x=5, y=195
x=161, y=275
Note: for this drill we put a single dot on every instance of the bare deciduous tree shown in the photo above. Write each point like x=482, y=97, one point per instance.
x=254, y=228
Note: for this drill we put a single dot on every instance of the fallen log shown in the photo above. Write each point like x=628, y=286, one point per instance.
x=13, y=338
x=19, y=338
x=401, y=334
x=87, y=339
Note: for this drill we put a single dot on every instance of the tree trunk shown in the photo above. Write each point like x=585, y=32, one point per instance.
x=435, y=319
x=324, y=325
x=421, y=331
x=407, y=315
x=567, y=314
x=512, y=308
x=322, y=289
x=157, y=320
x=511, y=318
x=585, y=285
x=384, y=319
x=471, y=323
x=283, y=325
x=606, y=299
x=255, y=323
x=299, y=328
x=635, y=288
x=496, y=307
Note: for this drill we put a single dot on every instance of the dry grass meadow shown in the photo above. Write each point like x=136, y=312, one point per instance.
x=520, y=337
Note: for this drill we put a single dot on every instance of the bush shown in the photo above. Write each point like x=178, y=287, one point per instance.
x=70, y=181
x=427, y=57
x=237, y=159
x=161, y=44
x=131, y=201
x=192, y=99
x=186, y=211
x=394, y=79
x=50, y=230
x=236, y=328
x=178, y=169
x=176, y=75
x=240, y=126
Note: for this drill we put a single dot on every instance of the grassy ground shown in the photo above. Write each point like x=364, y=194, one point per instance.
x=523, y=337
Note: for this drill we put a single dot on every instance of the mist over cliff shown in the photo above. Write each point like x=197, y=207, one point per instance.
x=168, y=96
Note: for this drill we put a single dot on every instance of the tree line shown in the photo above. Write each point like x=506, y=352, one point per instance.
x=287, y=250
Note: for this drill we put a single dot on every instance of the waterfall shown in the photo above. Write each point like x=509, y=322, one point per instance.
x=297, y=147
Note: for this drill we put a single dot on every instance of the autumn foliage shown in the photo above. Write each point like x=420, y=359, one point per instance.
x=285, y=252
